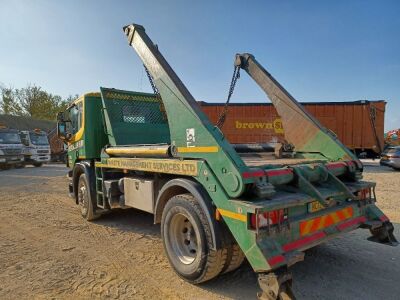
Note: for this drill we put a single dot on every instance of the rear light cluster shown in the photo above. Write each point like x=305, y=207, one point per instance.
x=364, y=194
x=268, y=218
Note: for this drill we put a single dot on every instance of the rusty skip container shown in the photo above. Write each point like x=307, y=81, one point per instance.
x=358, y=124
x=57, y=146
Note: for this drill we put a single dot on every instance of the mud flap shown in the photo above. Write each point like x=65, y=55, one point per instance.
x=70, y=185
x=276, y=285
x=383, y=234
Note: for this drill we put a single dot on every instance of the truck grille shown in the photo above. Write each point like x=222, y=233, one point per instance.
x=43, y=151
x=12, y=151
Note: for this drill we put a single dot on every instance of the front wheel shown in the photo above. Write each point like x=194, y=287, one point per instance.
x=84, y=199
x=187, y=239
x=37, y=165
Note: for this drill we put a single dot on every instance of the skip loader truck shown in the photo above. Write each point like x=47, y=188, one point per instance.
x=37, y=148
x=217, y=205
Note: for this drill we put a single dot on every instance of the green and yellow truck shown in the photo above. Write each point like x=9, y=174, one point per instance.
x=217, y=204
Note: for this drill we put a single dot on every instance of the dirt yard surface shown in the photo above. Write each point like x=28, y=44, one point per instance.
x=47, y=251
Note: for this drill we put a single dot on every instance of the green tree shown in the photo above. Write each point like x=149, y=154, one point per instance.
x=33, y=101
x=9, y=105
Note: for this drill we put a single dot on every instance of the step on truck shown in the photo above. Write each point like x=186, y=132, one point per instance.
x=217, y=205
x=36, y=147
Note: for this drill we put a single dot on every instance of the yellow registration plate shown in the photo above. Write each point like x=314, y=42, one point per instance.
x=315, y=206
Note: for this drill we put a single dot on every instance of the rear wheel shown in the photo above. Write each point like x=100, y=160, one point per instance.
x=37, y=164
x=235, y=258
x=84, y=199
x=187, y=240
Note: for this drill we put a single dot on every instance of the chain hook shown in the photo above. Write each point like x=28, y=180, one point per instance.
x=156, y=92
x=222, y=116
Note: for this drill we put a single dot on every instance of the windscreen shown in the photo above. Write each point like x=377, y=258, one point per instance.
x=38, y=139
x=9, y=138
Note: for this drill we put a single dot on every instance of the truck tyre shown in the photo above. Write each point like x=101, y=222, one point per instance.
x=187, y=240
x=20, y=166
x=234, y=259
x=84, y=199
x=37, y=165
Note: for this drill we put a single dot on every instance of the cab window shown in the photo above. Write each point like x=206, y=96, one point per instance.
x=75, y=114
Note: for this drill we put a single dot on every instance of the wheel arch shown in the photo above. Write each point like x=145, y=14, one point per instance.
x=83, y=167
x=178, y=186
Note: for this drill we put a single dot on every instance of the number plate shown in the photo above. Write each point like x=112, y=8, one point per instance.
x=315, y=206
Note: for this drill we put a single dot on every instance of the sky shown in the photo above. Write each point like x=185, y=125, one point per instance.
x=318, y=50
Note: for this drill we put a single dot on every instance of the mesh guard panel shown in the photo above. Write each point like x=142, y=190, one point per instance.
x=134, y=118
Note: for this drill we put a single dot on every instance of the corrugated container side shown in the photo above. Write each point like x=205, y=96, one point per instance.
x=260, y=123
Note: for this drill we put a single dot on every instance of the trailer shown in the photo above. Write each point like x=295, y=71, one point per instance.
x=217, y=206
x=359, y=125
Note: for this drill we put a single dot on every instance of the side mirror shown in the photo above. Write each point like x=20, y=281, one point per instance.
x=62, y=130
x=25, y=142
x=60, y=117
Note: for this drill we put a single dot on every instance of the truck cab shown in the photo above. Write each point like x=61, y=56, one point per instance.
x=36, y=147
x=10, y=148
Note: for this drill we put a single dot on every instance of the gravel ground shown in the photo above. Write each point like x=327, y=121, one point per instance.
x=48, y=251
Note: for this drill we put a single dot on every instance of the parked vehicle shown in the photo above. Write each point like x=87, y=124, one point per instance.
x=58, y=148
x=392, y=137
x=36, y=147
x=359, y=125
x=160, y=153
x=391, y=157
x=10, y=148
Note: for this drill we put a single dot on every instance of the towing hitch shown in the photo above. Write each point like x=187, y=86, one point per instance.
x=276, y=285
x=383, y=234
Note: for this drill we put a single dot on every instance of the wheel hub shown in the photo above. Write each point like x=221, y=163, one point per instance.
x=184, y=240
x=82, y=198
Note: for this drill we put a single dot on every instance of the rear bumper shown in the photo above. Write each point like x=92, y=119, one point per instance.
x=286, y=247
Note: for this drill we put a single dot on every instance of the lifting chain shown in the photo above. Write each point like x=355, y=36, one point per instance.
x=156, y=92
x=222, y=116
x=153, y=86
